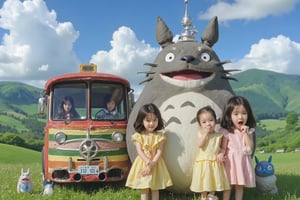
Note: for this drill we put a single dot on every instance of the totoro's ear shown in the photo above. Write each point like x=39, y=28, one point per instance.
x=256, y=160
x=270, y=159
x=211, y=34
x=164, y=36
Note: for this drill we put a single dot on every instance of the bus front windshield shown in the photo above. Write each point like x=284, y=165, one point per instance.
x=69, y=101
x=108, y=101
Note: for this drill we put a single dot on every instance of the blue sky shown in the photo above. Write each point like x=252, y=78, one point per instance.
x=43, y=38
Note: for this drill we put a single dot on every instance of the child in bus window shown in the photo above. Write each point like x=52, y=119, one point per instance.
x=110, y=112
x=67, y=109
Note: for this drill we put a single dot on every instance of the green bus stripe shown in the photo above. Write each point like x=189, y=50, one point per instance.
x=70, y=137
x=57, y=152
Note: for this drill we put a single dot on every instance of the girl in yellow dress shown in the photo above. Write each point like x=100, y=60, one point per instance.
x=209, y=174
x=148, y=171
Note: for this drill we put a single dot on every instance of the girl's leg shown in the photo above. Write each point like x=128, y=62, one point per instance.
x=203, y=195
x=212, y=196
x=226, y=194
x=155, y=194
x=144, y=194
x=239, y=190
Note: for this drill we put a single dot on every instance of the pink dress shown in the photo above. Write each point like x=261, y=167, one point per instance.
x=238, y=165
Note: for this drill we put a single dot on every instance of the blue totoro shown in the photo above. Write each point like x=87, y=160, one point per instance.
x=265, y=177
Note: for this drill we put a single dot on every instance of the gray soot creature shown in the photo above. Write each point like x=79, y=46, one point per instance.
x=184, y=77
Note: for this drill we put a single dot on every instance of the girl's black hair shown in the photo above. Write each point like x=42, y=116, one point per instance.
x=107, y=99
x=234, y=101
x=62, y=112
x=206, y=109
x=144, y=110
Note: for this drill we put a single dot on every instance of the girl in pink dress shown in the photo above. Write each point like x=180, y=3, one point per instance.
x=238, y=128
x=149, y=171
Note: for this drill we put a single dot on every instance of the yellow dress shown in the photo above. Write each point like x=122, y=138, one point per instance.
x=159, y=177
x=209, y=174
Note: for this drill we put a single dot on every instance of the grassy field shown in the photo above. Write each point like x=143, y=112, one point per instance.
x=272, y=124
x=13, y=159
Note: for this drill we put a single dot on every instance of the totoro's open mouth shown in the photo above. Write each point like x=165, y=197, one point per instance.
x=187, y=78
x=186, y=75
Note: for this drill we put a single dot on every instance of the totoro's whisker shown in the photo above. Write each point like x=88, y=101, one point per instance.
x=149, y=79
x=146, y=72
x=151, y=64
x=227, y=71
x=223, y=62
x=229, y=78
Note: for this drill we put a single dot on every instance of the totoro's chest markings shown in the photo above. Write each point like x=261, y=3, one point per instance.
x=181, y=109
x=181, y=106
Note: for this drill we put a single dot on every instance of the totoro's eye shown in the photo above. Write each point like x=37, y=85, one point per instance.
x=205, y=57
x=270, y=167
x=258, y=168
x=169, y=57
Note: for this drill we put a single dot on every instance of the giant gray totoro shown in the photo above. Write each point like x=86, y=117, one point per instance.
x=184, y=77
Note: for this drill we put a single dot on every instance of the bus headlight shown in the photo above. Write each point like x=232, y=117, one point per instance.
x=60, y=137
x=117, y=137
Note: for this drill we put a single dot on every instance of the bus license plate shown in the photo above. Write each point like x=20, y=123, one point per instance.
x=93, y=169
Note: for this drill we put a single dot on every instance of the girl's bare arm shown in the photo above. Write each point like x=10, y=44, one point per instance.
x=157, y=154
x=248, y=137
x=140, y=152
x=202, y=139
x=223, y=147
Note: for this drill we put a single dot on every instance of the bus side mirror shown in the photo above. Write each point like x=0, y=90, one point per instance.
x=41, y=105
x=131, y=99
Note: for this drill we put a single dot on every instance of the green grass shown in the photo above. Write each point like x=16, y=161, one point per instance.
x=12, y=122
x=286, y=165
x=272, y=124
x=31, y=109
x=17, y=155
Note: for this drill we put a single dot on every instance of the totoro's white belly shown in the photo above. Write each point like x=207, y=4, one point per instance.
x=179, y=112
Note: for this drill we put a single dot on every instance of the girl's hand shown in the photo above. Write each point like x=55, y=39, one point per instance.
x=245, y=129
x=206, y=131
x=151, y=164
x=146, y=171
x=220, y=157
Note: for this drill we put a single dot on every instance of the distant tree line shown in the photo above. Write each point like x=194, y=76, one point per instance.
x=31, y=138
x=287, y=138
x=15, y=139
x=273, y=115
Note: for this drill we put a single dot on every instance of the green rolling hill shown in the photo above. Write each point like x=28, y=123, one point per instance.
x=271, y=95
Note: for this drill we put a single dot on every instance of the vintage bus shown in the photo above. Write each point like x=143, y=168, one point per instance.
x=86, y=146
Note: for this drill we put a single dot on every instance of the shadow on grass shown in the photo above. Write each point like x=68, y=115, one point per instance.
x=91, y=188
x=288, y=187
x=288, y=184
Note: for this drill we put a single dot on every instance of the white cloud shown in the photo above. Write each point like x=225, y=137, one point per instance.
x=36, y=46
x=248, y=9
x=278, y=54
x=126, y=57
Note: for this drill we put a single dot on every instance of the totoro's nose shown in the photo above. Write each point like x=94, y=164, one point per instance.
x=188, y=58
